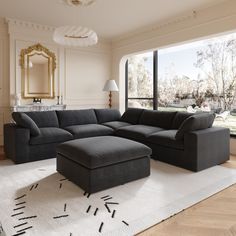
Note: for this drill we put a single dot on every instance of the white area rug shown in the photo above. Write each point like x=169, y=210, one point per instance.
x=58, y=207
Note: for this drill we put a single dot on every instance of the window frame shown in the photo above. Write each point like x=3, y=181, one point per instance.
x=155, y=83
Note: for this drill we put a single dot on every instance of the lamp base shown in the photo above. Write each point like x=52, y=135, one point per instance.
x=110, y=100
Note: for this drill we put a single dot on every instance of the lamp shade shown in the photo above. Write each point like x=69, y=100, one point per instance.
x=110, y=86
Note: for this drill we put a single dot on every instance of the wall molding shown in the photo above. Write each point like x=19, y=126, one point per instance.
x=29, y=25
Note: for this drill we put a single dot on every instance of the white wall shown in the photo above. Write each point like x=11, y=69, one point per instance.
x=4, y=77
x=80, y=73
x=192, y=26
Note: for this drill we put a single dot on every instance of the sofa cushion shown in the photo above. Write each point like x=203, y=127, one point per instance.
x=116, y=124
x=102, y=151
x=166, y=138
x=195, y=122
x=106, y=115
x=44, y=118
x=137, y=132
x=51, y=135
x=179, y=119
x=162, y=119
x=132, y=115
x=25, y=121
x=76, y=117
x=90, y=130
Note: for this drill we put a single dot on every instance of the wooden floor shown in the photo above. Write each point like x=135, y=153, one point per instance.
x=215, y=216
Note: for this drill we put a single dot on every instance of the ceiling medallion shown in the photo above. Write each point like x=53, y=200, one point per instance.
x=75, y=36
x=79, y=2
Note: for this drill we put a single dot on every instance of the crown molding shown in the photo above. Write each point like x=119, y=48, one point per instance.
x=28, y=25
x=15, y=25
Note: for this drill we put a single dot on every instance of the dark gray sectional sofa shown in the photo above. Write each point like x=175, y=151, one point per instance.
x=178, y=138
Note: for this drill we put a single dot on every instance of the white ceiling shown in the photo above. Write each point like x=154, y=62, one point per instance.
x=109, y=18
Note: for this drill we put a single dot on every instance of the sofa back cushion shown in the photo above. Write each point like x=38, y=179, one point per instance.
x=25, y=121
x=162, y=119
x=179, y=119
x=132, y=115
x=195, y=122
x=76, y=117
x=107, y=115
x=44, y=118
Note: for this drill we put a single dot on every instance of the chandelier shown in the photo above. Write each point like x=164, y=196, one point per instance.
x=75, y=35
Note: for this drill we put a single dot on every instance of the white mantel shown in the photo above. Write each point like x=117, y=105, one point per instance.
x=38, y=107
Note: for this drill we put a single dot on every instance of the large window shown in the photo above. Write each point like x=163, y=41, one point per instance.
x=140, y=81
x=199, y=76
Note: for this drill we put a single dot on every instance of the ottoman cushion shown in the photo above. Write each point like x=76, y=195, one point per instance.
x=102, y=151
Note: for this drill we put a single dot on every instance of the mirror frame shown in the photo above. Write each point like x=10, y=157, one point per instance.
x=24, y=57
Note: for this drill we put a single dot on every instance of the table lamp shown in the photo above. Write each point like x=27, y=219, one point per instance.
x=110, y=86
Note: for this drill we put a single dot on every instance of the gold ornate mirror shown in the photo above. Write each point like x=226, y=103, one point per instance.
x=38, y=66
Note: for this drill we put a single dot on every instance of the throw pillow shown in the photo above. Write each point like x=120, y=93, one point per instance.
x=195, y=122
x=25, y=121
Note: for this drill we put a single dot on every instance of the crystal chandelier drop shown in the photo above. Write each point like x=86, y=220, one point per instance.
x=77, y=36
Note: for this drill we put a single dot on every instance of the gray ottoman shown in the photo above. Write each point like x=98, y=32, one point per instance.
x=103, y=162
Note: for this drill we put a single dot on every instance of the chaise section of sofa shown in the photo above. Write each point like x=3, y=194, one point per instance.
x=178, y=138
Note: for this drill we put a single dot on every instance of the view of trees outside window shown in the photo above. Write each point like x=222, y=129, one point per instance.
x=193, y=77
x=140, y=80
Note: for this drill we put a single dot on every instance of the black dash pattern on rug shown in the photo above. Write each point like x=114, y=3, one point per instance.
x=17, y=214
x=113, y=213
x=106, y=199
x=20, y=203
x=61, y=216
x=125, y=222
x=24, y=195
x=100, y=228
x=28, y=217
x=112, y=203
x=19, y=208
x=21, y=230
x=105, y=196
x=88, y=194
x=108, y=209
x=95, y=213
x=32, y=187
x=63, y=179
x=65, y=206
x=19, y=233
x=16, y=226
x=88, y=209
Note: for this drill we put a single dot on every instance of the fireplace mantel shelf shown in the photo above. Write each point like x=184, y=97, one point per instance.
x=38, y=107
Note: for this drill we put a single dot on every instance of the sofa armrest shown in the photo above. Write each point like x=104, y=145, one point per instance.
x=16, y=143
x=207, y=147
